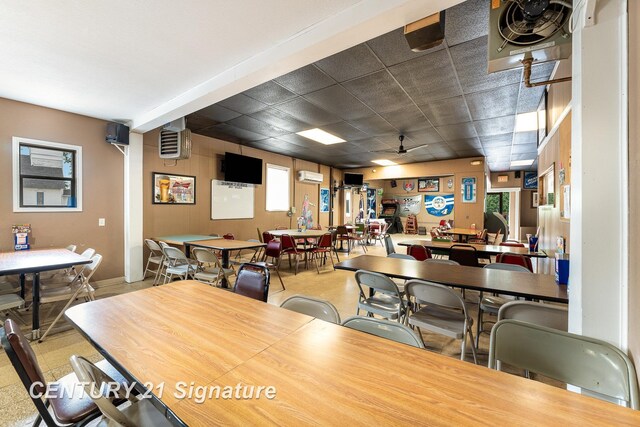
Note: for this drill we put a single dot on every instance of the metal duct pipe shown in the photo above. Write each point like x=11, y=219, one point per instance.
x=527, y=62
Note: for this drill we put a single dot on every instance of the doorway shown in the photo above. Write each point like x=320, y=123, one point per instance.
x=506, y=201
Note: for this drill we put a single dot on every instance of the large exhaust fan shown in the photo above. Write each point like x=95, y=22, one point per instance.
x=174, y=145
x=531, y=31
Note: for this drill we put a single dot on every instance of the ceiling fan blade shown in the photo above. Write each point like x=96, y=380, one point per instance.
x=385, y=151
x=417, y=148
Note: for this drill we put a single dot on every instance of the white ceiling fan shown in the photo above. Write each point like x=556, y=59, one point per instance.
x=401, y=150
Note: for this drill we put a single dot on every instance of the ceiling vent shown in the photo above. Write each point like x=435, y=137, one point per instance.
x=310, y=177
x=528, y=29
x=174, y=145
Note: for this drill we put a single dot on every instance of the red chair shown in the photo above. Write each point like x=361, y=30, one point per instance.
x=517, y=259
x=267, y=237
x=229, y=236
x=324, y=247
x=419, y=252
x=290, y=247
x=464, y=255
x=273, y=250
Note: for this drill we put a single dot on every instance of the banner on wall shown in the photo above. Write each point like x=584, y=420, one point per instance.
x=408, y=204
x=468, y=190
x=440, y=205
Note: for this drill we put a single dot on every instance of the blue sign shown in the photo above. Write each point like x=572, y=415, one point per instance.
x=440, y=205
x=324, y=200
x=468, y=190
x=530, y=181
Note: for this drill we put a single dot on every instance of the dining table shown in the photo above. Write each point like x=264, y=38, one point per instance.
x=462, y=233
x=182, y=239
x=36, y=261
x=515, y=283
x=483, y=250
x=317, y=372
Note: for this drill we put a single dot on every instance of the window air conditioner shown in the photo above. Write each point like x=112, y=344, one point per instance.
x=310, y=177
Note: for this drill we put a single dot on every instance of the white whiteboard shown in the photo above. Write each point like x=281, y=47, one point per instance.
x=231, y=200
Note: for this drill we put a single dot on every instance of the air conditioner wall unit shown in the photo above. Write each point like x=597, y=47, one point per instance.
x=174, y=145
x=310, y=177
x=529, y=29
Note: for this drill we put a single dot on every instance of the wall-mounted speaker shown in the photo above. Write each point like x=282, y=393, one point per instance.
x=394, y=184
x=117, y=133
x=517, y=174
x=425, y=33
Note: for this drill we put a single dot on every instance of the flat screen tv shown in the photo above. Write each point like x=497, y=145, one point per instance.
x=243, y=169
x=353, y=179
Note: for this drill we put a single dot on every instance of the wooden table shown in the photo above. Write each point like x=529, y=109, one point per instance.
x=36, y=261
x=224, y=246
x=486, y=250
x=181, y=239
x=462, y=232
x=324, y=374
x=311, y=234
x=526, y=285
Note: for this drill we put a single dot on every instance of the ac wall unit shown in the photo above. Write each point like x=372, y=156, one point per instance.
x=520, y=29
x=174, y=145
x=310, y=177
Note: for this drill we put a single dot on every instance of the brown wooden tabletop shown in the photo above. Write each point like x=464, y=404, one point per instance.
x=526, y=285
x=225, y=245
x=324, y=374
x=298, y=234
x=36, y=261
x=181, y=239
x=482, y=249
x=461, y=231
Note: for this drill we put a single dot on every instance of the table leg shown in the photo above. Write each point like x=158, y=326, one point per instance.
x=225, y=264
x=35, y=308
x=22, y=286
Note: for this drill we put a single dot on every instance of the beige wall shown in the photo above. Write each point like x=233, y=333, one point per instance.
x=634, y=183
x=204, y=164
x=102, y=182
x=465, y=213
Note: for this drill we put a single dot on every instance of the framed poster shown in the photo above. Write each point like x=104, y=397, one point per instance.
x=324, y=200
x=173, y=189
x=408, y=205
x=542, y=118
x=469, y=190
x=530, y=181
x=428, y=185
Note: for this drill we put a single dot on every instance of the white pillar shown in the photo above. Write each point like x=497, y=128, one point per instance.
x=599, y=181
x=133, y=209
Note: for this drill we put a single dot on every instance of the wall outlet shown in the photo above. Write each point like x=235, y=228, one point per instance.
x=101, y=222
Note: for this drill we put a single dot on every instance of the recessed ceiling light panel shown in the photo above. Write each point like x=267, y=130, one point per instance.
x=517, y=163
x=321, y=136
x=527, y=122
x=384, y=162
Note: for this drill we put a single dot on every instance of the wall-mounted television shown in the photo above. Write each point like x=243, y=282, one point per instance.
x=243, y=169
x=353, y=179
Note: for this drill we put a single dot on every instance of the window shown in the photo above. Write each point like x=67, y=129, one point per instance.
x=46, y=176
x=277, y=188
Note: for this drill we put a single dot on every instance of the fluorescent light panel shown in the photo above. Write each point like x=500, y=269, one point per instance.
x=517, y=163
x=321, y=136
x=384, y=162
x=527, y=122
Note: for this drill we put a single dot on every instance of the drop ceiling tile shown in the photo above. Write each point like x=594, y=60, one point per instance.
x=351, y=63
x=447, y=111
x=305, y=111
x=524, y=156
x=345, y=131
x=370, y=145
x=195, y=121
x=407, y=119
x=257, y=126
x=457, y=131
x=425, y=136
x=304, y=80
x=351, y=147
x=496, y=126
x=465, y=144
x=301, y=141
x=423, y=157
x=339, y=101
x=497, y=102
x=243, y=104
x=281, y=120
x=501, y=140
x=379, y=91
x=525, y=137
x=270, y=93
x=473, y=152
x=373, y=125
x=235, y=132
x=497, y=151
x=427, y=78
x=466, y=21
x=218, y=113
x=392, y=48
x=470, y=61
x=499, y=167
x=529, y=98
x=525, y=148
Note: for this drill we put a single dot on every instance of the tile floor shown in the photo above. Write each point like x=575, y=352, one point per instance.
x=53, y=354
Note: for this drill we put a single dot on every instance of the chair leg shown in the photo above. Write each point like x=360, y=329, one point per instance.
x=473, y=347
x=314, y=257
x=73, y=297
x=479, y=325
x=280, y=278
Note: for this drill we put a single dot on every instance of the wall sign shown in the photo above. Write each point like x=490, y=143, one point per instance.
x=324, y=200
x=530, y=181
x=468, y=190
x=440, y=205
x=409, y=186
x=408, y=204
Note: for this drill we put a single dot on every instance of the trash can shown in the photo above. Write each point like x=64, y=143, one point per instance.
x=562, y=269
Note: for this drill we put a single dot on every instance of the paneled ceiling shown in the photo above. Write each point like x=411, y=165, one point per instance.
x=374, y=91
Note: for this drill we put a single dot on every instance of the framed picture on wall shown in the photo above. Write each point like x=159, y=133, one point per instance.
x=324, y=200
x=530, y=181
x=173, y=189
x=428, y=185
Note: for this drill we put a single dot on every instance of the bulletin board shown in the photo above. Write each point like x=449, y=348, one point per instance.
x=231, y=200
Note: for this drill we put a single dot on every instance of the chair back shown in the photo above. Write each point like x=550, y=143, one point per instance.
x=401, y=256
x=388, y=244
x=204, y=256
x=153, y=247
x=464, y=255
x=273, y=249
x=314, y=307
x=593, y=365
x=376, y=281
x=267, y=237
x=88, y=253
x=90, y=269
x=71, y=248
x=174, y=255
x=517, y=259
x=549, y=315
x=326, y=241
x=229, y=236
x=252, y=280
x=513, y=244
x=434, y=294
x=342, y=230
x=441, y=261
x=419, y=252
x=288, y=243
x=260, y=235
x=385, y=329
x=508, y=267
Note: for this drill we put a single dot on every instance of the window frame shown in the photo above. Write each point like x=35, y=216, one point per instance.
x=267, y=192
x=76, y=180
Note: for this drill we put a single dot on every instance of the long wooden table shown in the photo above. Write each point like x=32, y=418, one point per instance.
x=461, y=232
x=324, y=374
x=36, y=261
x=483, y=250
x=526, y=285
x=298, y=234
x=182, y=239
